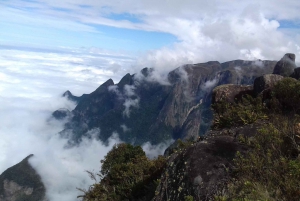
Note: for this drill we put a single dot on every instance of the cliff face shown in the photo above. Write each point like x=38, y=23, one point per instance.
x=21, y=183
x=143, y=108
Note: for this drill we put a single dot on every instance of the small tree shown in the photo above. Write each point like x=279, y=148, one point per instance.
x=127, y=174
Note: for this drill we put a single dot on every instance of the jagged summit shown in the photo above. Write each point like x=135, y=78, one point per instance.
x=286, y=65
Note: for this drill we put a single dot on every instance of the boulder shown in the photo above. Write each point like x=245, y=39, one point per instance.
x=61, y=113
x=230, y=92
x=296, y=73
x=265, y=82
x=286, y=65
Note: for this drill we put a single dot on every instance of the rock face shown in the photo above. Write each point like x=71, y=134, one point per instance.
x=286, y=65
x=61, y=113
x=265, y=82
x=143, y=108
x=296, y=73
x=230, y=92
x=73, y=98
x=202, y=169
x=21, y=183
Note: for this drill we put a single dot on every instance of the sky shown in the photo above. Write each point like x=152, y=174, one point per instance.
x=50, y=46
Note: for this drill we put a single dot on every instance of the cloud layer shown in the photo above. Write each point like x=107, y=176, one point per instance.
x=30, y=90
x=215, y=30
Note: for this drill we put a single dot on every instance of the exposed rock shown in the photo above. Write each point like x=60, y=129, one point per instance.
x=286, y=65
x=127, y=79
x=296, y=73
x=230, y=92
x=265, y=82
x=21, y=183
x=73, y=98
x=203, y=169
x=199, y=170
x=61, y=113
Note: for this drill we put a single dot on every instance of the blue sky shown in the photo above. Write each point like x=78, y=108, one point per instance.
x=165, y=33
x=27, y=26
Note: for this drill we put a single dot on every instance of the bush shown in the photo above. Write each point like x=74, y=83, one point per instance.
x=248, y=110
x=287, y=95
x=271, y=169
x=127, y=174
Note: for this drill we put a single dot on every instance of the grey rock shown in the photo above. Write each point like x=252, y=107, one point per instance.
x=286, y=65
x=61, y=113
x=296, y=73
x=71, y=97
x=21, y=183
x=265, y=82
x=230, y=92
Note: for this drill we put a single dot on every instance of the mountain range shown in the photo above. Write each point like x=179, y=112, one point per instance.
x=147, y=107
x=150, y=107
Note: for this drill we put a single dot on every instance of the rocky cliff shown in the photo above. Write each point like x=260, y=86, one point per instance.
x=21, y=183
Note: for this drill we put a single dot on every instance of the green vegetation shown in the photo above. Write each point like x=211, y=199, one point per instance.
x=286, y=96
x=271, y=169
x=127, y=174
x=246, y=111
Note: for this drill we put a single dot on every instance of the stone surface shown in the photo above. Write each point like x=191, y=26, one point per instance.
x=71, y=97
x=61, y=113
x=21, y=183
x=286, y=65
x=296, y=73
x=265, y=82
x=230, y=92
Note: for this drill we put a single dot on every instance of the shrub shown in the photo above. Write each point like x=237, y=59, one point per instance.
x=127, y=174
x=248, y=110
x=271, y=169
x=287, y=95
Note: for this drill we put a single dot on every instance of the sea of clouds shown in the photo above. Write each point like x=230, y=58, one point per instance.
x=31, y=85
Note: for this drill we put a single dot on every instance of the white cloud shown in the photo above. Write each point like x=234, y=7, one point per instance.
x=129, y=103
x=31, y=86
x=214, y=30
x=152, y=151
x=208, y=85
x=125, y=128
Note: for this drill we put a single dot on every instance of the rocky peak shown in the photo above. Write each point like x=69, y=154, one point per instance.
x=286, y=65
x=127, y=79
x=146, y=71
x=21, y=182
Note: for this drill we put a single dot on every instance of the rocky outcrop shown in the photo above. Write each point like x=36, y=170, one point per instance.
x=265, y=82
x=203, y=169
x=296, y=73
x=286, y=65
x=230, y=92
x=21, y=183
x=73, y=98
x=61, y=114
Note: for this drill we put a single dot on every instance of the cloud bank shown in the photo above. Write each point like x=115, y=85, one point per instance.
x=215, y=30
x=30, y=90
